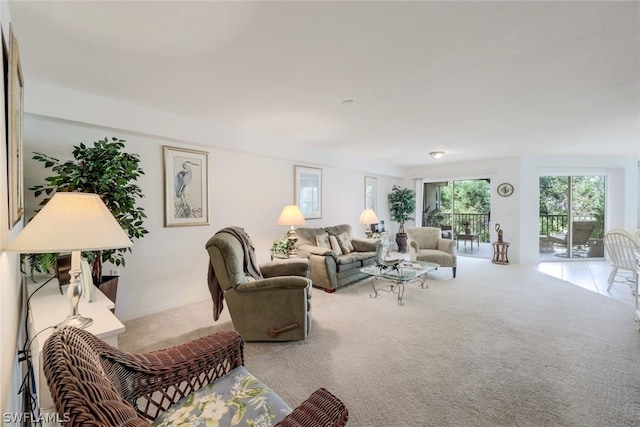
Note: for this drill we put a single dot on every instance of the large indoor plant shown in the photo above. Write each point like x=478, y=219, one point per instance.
x=104, y=169
x=401, y=204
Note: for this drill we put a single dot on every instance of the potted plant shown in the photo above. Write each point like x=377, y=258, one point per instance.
x=466, y=225
x=106, y=170
x=401, y=205
x=280, y=248
x=39, y=263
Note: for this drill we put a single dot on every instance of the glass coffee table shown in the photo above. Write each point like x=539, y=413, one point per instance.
x=397, y=276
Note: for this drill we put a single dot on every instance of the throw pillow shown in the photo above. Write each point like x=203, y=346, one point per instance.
x=335, y=246
x=322, y=240
x=345, y=243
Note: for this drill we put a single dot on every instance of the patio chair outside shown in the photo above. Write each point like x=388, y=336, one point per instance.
x=580, y=233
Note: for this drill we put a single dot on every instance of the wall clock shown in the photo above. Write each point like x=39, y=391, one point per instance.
x=505, y=189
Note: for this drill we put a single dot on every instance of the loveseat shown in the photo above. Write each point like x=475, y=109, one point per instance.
x=335, y=256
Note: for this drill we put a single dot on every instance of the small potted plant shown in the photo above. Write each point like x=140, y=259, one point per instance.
x=280, y=248
x=401, y=205
x=466, y=225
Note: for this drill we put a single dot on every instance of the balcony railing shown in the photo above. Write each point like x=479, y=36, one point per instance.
x=549, y=224
x=478, y=224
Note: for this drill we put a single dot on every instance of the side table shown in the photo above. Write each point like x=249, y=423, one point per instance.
x=500, y=250
x=47, y=307
x=470, y=237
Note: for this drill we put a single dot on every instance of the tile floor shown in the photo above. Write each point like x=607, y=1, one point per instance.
x=592, y=275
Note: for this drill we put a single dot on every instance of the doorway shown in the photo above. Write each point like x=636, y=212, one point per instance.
x=462, y=209
x=572, y=217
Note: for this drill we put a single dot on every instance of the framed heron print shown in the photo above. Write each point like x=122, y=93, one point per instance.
x=186, y=193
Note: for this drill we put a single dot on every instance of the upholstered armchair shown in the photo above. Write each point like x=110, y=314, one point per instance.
x=273, y=307
x=426, y=244
x=94, y=384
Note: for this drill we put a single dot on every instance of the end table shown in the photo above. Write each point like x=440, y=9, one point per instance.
x=500, y=250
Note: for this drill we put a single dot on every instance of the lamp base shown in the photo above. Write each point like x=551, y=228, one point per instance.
x=74, y=292
x=367, y=231
x=293, y=237
x=78, y=321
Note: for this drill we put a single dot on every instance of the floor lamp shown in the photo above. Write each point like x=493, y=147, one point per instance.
x=72, y=222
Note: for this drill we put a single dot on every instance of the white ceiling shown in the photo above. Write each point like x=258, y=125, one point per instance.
x=474, y=79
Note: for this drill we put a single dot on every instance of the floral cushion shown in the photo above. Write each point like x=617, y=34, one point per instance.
x=322, y=240
x=345, y=243
x=237, y=399
x=335, y=246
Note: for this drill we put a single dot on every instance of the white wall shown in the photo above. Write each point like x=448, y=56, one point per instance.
x=168, y=267
x=518, y=214
x=10, y=291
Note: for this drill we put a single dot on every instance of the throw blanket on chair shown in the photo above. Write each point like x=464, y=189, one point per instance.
x=250, y=267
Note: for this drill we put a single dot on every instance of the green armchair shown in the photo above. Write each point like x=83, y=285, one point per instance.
x=273, y=307
x=426, y=244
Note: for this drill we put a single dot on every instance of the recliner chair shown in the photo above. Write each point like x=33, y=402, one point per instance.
x=275, y=308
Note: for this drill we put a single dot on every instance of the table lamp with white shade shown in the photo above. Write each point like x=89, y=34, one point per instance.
x=292, y=216
x=368, y=217
x=72, y=222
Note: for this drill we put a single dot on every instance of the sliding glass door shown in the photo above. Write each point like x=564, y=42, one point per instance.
x=462, y=209
x=571, y=221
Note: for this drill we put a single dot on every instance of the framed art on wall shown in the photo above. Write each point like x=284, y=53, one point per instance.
x=308, y=191
x=370, y=193
x=15, y=127
x=186, y=193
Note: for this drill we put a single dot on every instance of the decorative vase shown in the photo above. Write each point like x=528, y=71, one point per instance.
x=401, y=240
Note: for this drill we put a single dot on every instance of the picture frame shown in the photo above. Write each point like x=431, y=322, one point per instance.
x=371, y=193
x=15, y=132
x=308, y=191
x=186, y=192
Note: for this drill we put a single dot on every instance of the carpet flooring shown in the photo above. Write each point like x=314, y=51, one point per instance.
x=497, y=346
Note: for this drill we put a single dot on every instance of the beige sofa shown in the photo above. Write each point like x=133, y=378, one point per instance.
x=329, y=269
x=426, y=244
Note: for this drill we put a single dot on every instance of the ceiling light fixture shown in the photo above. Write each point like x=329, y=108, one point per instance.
x=436, y=154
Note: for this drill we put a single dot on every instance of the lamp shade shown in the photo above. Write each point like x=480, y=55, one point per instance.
x=71, y=222
x=368, y=217
x=291, y=215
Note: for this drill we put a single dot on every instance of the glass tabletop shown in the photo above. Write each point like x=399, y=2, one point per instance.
x=403, y=272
